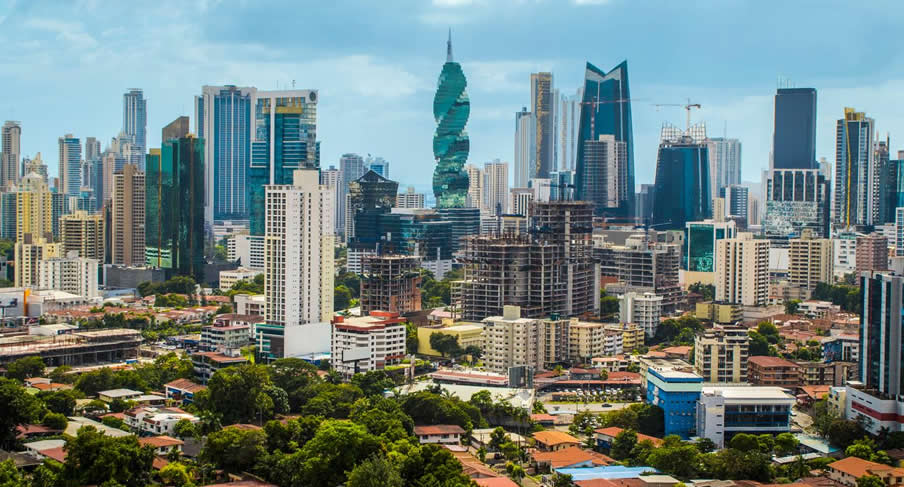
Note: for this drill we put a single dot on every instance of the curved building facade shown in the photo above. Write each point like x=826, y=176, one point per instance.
x=451, y=145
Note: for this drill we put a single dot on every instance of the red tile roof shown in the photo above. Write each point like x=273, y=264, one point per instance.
x=551, y=437
x=858, y=467
x=160, y=441
x=766, y=361
x=438, y=429
x=572, y=455
x=613, y=431
x=58, y=454
x=185, y=385
x=496, y=482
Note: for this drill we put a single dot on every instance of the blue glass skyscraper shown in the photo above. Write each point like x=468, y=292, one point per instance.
x=223, y=115
x=606, y=111
x=681, y=192
x=135, y=119
x=70, y=165
x=451, y=108
x=284, y=139
x=794, y=138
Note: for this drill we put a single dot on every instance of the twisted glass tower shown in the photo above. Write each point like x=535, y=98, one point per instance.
x=451, y=108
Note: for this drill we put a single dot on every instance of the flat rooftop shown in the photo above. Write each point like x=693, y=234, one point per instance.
x=748, y=392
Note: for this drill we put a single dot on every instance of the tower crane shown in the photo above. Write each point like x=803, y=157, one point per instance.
x=687, y=106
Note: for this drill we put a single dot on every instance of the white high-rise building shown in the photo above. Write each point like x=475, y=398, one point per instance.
x=568, y=120
x=351, y=167
x=299, y=241
x=899, y=232
x=135, y=119
x=724, y=163
x=475, y=187
x=332, y=178
x=742, y=270
x=409, y=199
x=11, y=151
x=644, y=310
x=71, y=274
x=521, y=199
x=496, y=187
x=524, y=146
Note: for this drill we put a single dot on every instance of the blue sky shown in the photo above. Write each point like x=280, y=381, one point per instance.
x=65, y=65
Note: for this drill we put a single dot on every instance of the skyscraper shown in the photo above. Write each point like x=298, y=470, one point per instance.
x=128, y=222
x=742, y=270
x=378, y=165
x=736, y=198
x=475, y=187
x=11, y=151
x=856, y=173
x=451, y=145
x=796, y=199
x=332, y=179
x=70, y=165
x=135, y=118
x=298, y=282
x=83, y=233
x=724, y=163
x=542, y=104
x=174, y=216
x=34, y=208
x=892, y=193
x=284, y=139
x=605, y=110
x=794, y=138
x=224, y=118
x=496, y=187
x=568, y=119
x=524, y=143
x=681, y=193
x=92, y=149
x=351, y=167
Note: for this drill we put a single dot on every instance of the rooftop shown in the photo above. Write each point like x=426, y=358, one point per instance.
x=160, y=441
x=858, y=467
x=438, y=429
x=551, y=437
x=613, y=431
x=613, y=472
x=747, y=392
x=185, y=385
x=572, y=455
x=117, y=393
x=766, y=361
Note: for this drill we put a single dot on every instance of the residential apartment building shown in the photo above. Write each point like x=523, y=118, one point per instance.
x=810, y=261
x=742, y=270
x=772, y=371
x=390, y=283
x=587, y=340
x=33, y=208
x=299, y=251
x=632, y=335
x=644, y=310
x=229, y=278
x=362, y=344
x=410, y=199
x=510, y=340
x=28, y=253
x=250, y=304
x=720, y=354
x=872, y=253
x=72, y=274
x=83, y=233
x=128, y=216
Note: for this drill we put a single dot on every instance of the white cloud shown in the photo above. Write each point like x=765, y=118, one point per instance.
x=590, y=2
x=452, y=3
x=72, y=33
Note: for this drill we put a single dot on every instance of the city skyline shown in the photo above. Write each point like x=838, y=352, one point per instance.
x=394, y=103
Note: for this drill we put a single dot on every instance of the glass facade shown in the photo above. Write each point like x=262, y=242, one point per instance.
x=892, y=189
x=700, y=244
x=70, y=165
x=794, y=138
x=681, y=192
x=881, y=340
x=796, y=199
x=451, y=108
x=286, y=127
x=174, y=207
x=856, y=175
x=369, y=196
x=606, y=110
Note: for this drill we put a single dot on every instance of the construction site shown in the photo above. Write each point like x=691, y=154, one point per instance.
x=390, y=283
x=548, y=271
x=77, y=348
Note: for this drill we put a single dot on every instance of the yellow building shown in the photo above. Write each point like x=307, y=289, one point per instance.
x=83, y=232
x=467, y=333
x=722, y=313
x=632, y=335
x=28, y=253
x=34, y=208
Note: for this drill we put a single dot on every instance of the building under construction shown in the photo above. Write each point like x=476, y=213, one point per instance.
x=643, y=265
x=548, y=271
x=390, y=283
x=78, y=348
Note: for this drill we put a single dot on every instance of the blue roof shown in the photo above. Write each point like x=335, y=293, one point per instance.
x=610, y=472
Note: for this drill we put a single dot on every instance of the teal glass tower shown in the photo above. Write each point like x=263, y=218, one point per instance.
x=451, y=145
x=174, y=207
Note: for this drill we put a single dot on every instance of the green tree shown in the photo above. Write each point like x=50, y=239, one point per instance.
x=445, y=344
x=680, y=460
x=19, y=407
x=785, y=444
x=744, y=442
x=844, y=432
x=337, y=448
x=342, y=297
x=862, y=448
x=515, y=471
x=791, y=306
x=433, y=465
x=55, y=421
x=705, y=445
x=373, y=382
x=229, y=390
x=623, y=444
x=608, y=304
x=234, y=449
x=175, y=474
x=10, y=475
x=498, y=438
x=296, y=377
x=185, y=429
x=62, y=401
x=708, y=291
x=870, y=481
x=93, y=458
x=376, y=471
x=25, y=368
x=562, y=480
x=61, y=374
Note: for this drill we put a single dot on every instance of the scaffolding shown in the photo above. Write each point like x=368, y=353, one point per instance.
x=390, y=283
x=77, y=348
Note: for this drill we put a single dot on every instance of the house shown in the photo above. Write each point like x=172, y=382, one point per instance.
x=605, y=437
x=570, y=457
x=848, y=470
x=77, y=422
x=156, y=421
x=162, y=444
x=36, y=448
x=113, y=394
x=31, y=431
x=481, y=438
x=182, y=390
x=495, y=482
x=208, y=363
x=439, y=433
x=551, y=440
x=543, y=419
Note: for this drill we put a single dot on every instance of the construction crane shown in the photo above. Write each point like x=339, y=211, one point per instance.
x=687, y=106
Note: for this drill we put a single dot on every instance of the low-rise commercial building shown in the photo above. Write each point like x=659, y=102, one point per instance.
x=228, y=278
x=250, y=304
x=772, y=371
x=723, y=412
x=156, y=421
x=208, y=363
x=467, y=334
x=676, y=392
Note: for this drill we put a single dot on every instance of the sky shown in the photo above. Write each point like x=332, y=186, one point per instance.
x=66, y=64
